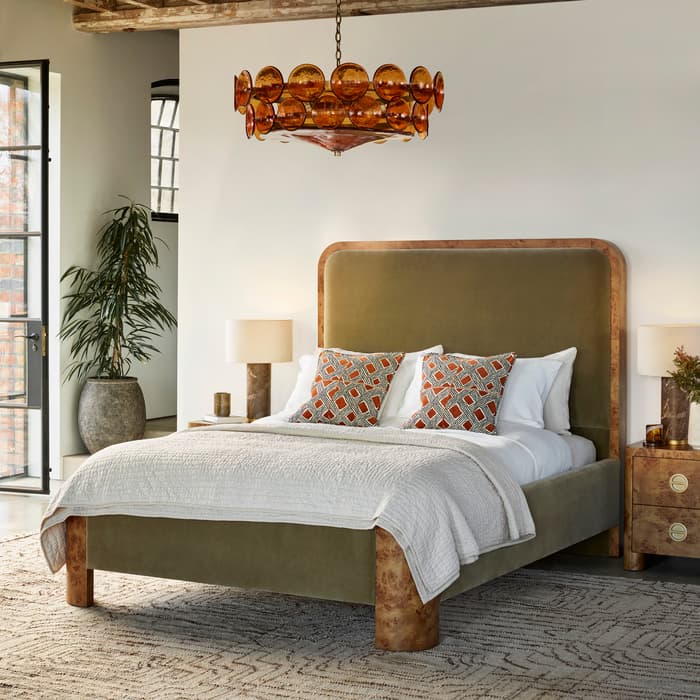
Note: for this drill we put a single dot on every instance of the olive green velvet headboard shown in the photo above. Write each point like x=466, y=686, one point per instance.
x=531, y=296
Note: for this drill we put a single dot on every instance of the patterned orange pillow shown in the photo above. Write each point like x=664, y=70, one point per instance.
x=461, y=393
x=349, y=389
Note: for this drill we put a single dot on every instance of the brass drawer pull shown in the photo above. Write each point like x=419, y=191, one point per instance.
x=678, y=532
x=678, y=483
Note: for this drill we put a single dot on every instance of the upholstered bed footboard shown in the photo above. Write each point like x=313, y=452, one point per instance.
x=319, y=562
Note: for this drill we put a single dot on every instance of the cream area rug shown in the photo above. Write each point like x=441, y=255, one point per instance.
x=532, y=634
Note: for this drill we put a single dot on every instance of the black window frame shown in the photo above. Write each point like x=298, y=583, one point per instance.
x=163, y=90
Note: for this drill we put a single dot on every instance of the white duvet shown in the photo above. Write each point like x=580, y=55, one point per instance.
x=445, y=500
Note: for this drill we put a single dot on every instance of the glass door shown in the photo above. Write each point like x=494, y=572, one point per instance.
x=23, y=275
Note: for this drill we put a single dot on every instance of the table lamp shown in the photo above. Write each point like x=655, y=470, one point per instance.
x=656, y=346
x=258, y=344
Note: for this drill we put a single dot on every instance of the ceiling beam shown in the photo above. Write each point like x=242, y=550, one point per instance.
x=141, y=15
x=95, y=5
x=145, y=4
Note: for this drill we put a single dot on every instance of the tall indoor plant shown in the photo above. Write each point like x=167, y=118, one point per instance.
x=111, y=318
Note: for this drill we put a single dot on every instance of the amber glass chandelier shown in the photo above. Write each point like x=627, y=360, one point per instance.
x=342, y=113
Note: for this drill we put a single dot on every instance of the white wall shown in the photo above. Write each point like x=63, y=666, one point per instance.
x=105, y=89
x=571, y=119
x=158, y=376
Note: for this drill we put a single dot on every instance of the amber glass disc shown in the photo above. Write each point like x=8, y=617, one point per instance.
x=269, y=84
x=421, y=84
x=398, y=114
x=389, y=82
x=328, y=112
x=242, y=90
x=249, y=120
x=439, y=90
x=349, y=81
x=264, y=117
x=306, y=82
x=291, y=113
x=419, y=117
x=365, y=112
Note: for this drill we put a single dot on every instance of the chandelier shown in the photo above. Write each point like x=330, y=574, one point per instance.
x=347, y=111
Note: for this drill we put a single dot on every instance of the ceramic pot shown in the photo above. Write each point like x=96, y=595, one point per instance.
x=111, y=411
x=694, y=425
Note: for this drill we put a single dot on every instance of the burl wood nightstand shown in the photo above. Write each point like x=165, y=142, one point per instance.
x=662, y=503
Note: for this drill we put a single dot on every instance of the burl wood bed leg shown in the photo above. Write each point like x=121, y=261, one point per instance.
x=402, y=622
x=78, y=577
x=614, y=541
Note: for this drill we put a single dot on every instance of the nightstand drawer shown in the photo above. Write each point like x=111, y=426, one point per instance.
x=671, y=531
x=666, y=482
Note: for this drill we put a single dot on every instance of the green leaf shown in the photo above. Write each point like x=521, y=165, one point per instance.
x=114, y=313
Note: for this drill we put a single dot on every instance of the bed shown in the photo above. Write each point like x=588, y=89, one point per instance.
x=530, y=296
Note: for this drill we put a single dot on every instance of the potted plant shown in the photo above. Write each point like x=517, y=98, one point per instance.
x=111, y=318
x=686, y=377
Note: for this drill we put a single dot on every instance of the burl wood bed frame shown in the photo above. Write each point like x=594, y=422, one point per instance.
x=532, y=296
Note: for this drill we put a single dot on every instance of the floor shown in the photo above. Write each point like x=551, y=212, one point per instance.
x=675, y=569
x=20, y=513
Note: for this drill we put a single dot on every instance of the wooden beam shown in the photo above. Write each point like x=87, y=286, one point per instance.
x=208, y=14
x=148, y=5
x=94, y=5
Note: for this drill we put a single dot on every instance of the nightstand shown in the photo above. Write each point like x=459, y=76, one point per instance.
x=662, y=503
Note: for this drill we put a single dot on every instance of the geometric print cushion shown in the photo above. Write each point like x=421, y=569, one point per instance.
x=462, y=393
x=450, y=407
x=483, y=373
x=349, y=389
x=377, y=368
x=341, y=403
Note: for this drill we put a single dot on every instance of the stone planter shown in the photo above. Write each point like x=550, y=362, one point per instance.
x=111, y=411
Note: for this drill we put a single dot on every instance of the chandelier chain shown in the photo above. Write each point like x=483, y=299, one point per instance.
x=337, y=33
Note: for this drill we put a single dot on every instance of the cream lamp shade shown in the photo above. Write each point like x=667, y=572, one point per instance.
x=657, y=344
x=258, y=341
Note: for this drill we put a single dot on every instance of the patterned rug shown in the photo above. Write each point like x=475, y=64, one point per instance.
x=532, y=634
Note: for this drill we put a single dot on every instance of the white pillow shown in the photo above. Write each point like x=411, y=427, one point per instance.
x=527, y=387
x=556, y=407
x=410, y=400
x=402, y=379
x=301, y=392
x=402, y=384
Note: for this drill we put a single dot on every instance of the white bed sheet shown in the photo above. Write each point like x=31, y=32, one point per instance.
x=582, y=450
x=531, y=454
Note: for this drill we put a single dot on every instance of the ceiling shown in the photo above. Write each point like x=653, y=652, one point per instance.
x=141, y=15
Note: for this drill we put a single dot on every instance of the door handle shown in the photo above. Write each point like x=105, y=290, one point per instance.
x=31, y=336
